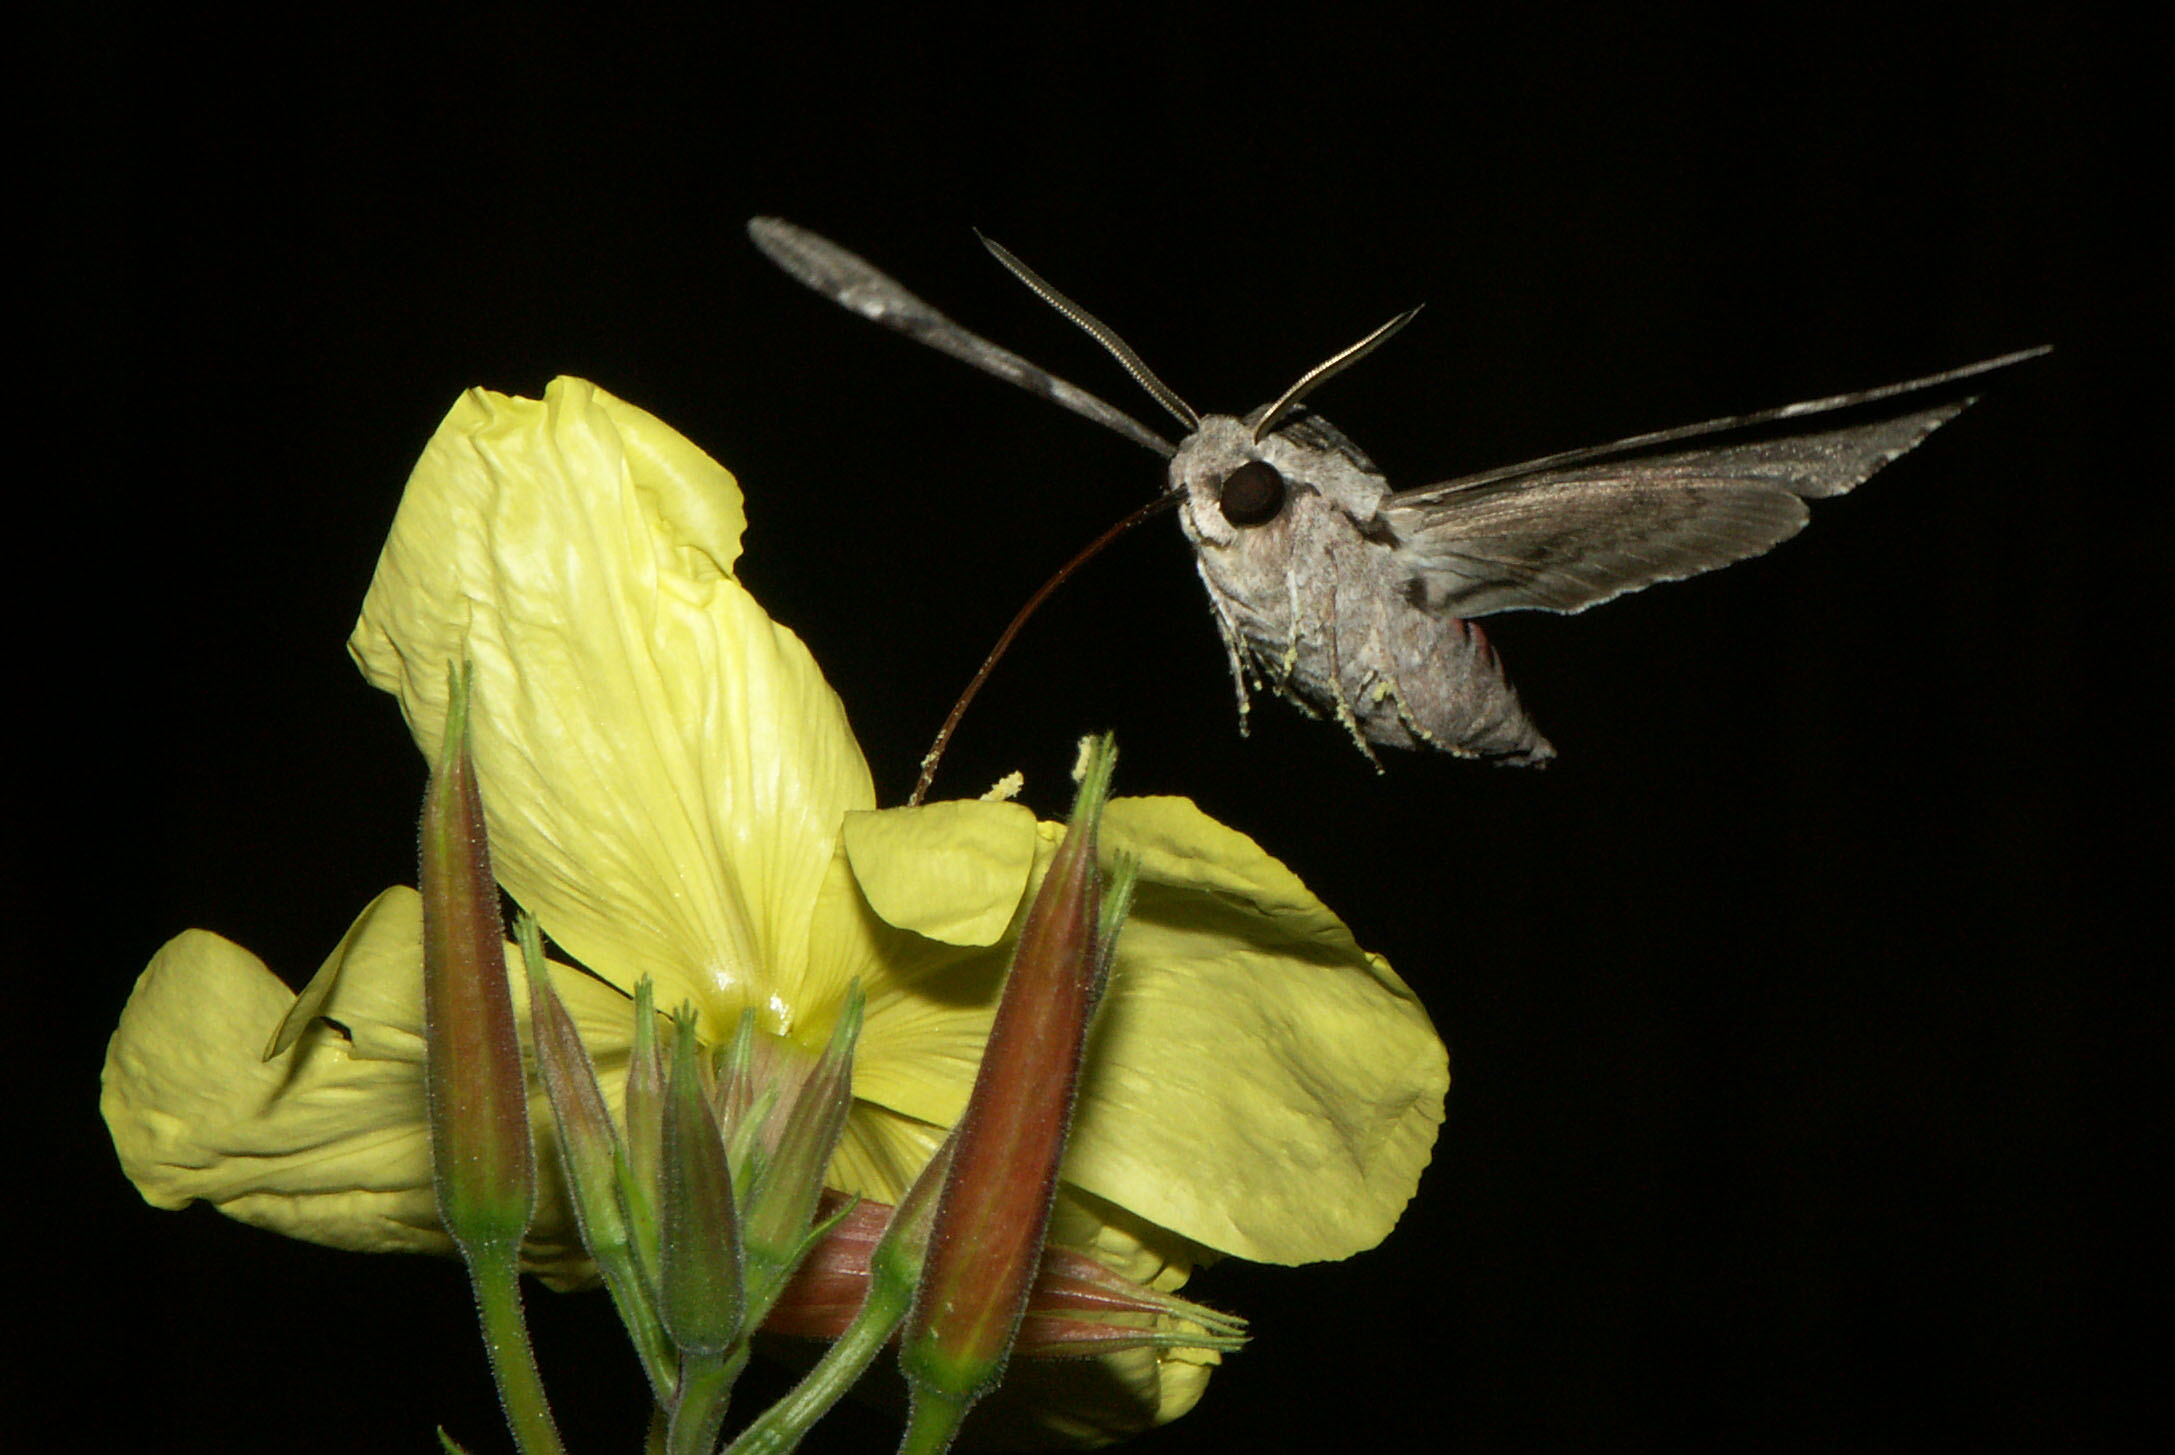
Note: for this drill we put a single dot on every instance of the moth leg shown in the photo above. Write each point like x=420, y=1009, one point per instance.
x=1327, y=626
x=1359, y=737
x=1235, y=651
x=1296, y=616
x=1390, y=690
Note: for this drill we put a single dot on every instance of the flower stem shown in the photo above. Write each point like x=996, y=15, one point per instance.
x=932, y=1421
x=785, y=1424
x=894, y=1271
x=496, y=1279
x=706, y=1387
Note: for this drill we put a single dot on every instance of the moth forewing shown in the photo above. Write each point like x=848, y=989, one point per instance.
x=852, y=282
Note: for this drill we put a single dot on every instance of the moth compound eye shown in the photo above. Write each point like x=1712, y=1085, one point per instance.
x=1253, y=494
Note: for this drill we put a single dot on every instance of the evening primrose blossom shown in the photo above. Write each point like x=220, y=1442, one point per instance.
x=673, y=792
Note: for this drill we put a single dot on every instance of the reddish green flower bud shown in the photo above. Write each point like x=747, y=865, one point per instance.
x=588, y=1141
x=986, y=1243
x=821, y=1297
x=482, y=1165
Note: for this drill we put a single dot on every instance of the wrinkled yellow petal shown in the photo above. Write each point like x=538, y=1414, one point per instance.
x=1256, y=1083
x=1047, y=1402
x=880, y=1152
x=1123, y=1240
x=663, y=766
x=326, y=1141
x=948, y=871
x=929, y=1004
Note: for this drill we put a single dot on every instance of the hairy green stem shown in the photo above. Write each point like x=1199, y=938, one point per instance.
x=706, y=1388
x=494, y=1276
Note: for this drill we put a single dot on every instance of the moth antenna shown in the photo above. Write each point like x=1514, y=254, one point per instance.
x=1099, y=331
x=1328, y=369
x=930, y=759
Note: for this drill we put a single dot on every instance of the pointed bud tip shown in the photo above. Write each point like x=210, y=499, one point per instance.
x=1092, y=771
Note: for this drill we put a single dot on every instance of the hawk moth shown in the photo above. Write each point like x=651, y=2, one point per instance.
x=1356, y=601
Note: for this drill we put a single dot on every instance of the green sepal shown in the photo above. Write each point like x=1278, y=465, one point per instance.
x=776, y=1228
x=593, y=1158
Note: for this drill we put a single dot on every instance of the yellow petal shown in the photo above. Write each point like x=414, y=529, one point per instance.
x=953, y=872
x=929, y=1003
x=326, y=1141
x=881, y=1152
x=1044, y=1402
x=663, y=766
x=1257, y=1083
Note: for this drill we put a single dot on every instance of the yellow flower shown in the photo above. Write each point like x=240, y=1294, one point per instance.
x=674, y=792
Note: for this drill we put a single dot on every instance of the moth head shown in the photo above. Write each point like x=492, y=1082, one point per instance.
x=1236, y=490
x=1243, y=479
x=1235, y=477
x=1229, y=486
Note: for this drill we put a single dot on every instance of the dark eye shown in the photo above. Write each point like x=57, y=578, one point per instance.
x=1253, y=494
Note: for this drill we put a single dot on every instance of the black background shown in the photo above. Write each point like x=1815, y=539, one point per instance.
x=1797, y=1035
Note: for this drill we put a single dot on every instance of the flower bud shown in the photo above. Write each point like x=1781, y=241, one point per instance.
x=986, y=1242
x=1077, y=1306
x=482, y=1166
x=700, y=1291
